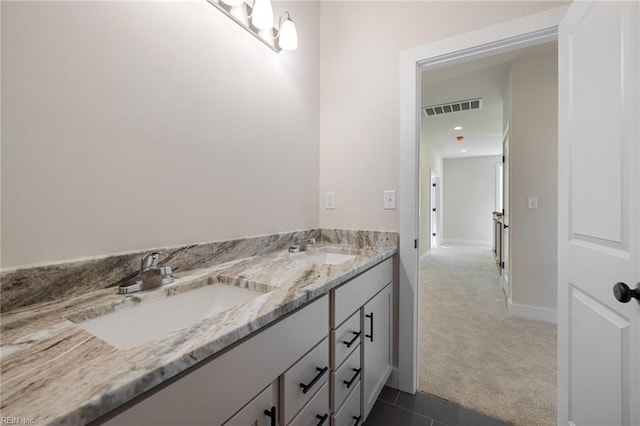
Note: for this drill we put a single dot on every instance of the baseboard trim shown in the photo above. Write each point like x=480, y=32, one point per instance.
x=533, y=312
x=479, y=243
x=393, y=380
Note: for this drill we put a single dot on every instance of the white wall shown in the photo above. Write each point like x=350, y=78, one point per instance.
x=430, y=162
x=130, y=125
x=469, y=199
x=360, y=97
x=533, y=173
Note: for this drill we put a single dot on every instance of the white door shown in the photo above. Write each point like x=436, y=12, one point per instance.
x=599, y=217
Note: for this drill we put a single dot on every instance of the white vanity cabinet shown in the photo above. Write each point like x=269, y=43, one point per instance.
x=323, y=364
x=361, y=342
x=219, y=389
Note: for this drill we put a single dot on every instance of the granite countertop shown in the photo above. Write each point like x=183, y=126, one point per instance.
x=55, y=372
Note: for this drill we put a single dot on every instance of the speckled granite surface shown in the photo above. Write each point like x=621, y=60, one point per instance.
x=54, y=372
x=27, y=286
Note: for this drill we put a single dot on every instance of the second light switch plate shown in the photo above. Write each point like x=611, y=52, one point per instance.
x=330, y=200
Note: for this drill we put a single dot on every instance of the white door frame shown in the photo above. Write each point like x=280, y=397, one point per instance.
x=515, y=34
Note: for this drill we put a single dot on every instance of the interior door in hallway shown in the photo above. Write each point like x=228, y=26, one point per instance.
x=505, y=258
x=599, y=216
x=435, y=210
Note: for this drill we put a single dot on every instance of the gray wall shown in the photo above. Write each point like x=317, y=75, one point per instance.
x=469, y=199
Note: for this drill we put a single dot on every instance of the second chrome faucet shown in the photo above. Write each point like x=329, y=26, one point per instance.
x=151, y=275
x=300, y=244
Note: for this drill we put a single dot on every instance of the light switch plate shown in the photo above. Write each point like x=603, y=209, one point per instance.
x=390, y=199
x=330, y=200
x=532, y=203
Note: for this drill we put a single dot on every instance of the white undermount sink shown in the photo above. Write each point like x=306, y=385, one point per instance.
x=326, y=257
x=139, y=324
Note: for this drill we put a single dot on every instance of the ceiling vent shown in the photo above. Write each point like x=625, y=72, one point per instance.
x=450, y=107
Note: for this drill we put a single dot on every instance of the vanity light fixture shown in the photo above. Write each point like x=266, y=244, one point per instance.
x=258, y=20
x=262, y=14
x=233, y=2
x=287, y=34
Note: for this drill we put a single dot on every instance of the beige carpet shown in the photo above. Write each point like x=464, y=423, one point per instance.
x=472, y=352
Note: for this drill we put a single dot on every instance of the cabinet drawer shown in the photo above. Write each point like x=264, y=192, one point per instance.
x=316, y=410
x=349, y=414
x=345, y=339
x=346, y=379
x=355, y=293
x=304, y=379
x=258, y=412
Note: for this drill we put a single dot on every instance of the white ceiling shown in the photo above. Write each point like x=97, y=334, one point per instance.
x=483, y=78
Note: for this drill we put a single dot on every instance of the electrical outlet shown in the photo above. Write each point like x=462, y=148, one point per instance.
x=390, y=200
x=532, y=203
x=330, y=200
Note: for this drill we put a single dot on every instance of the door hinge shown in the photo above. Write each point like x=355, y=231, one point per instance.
x=415, y=244
x=434, y=234
x=502, y=265
x=503, y=158
x=434, y=210
x=433, y=184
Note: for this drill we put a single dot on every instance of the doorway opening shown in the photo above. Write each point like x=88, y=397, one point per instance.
x=505, y=37
x=470, y=347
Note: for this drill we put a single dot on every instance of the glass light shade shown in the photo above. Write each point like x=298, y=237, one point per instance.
x=288, y=36
x=232, y=2
x=262, y=15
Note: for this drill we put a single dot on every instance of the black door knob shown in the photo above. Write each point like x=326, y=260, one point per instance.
x=624, y=294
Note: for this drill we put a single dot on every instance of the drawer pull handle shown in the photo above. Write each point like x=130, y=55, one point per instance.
x=370, y=316
x=357, y=419
x=272, y=414
x=322, y=418
x=321, y=371
x=353, y=379
x=352, y=341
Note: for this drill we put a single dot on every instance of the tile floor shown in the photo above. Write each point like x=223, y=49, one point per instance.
x=395, y=408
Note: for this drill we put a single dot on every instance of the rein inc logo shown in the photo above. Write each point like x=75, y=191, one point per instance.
x=11, y=420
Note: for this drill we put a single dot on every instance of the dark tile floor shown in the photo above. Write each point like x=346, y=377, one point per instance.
x=395, y=408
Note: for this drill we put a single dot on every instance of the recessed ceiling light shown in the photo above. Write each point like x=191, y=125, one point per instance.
x=463, y=150
x=457, y=128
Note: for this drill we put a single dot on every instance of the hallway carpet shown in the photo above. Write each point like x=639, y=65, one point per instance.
x=472, y=351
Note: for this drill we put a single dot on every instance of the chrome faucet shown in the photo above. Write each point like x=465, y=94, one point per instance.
x=300, y=244
x=151, y=275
